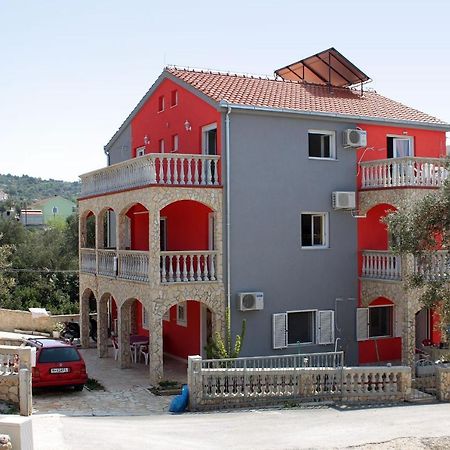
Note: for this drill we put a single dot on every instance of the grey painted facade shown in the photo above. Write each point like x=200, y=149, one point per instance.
x=272, y=181
x=120, y=149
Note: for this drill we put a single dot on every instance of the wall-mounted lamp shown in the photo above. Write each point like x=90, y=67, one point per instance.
x=404, y=132
x=146, y=140
x=187, y=125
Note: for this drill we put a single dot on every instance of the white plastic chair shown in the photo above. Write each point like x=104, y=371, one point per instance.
x=143, y=351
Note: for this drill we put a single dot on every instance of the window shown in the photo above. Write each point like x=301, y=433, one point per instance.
x=161, y=103
x=303, y=327
x=321, y=144
x=174, y=98
x=140, y=151
x=144, y=318
x=161, y=146
x=182, y=314
x=163, y=234
x=175, y=143
x=58, y=355
x=314, y=230
x=380, y=321
x=399, y=146
x=209, y=139
x=374, y=322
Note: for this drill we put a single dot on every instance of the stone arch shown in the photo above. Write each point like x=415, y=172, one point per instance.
x=106, y=227
x=85, y=298
x=87, y=227
x=103, y=326
x=211, y=200
x=126, y=220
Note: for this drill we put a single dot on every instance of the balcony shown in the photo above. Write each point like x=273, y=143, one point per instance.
x=403, y=172
x=153, y=169
x=175, y=267
x=386, y=266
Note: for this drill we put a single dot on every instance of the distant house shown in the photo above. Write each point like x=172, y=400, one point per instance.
x=31, y=217
x=3, y=196
x=49, y=208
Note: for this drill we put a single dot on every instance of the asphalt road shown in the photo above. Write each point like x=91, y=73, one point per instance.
x=324, y=427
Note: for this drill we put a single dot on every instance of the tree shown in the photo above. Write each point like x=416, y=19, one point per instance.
x=6, y=282
x=421, y=230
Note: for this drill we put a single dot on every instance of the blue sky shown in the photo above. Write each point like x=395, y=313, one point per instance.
x=72, y=70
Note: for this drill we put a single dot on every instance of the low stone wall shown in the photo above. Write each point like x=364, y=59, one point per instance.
x=11, y=320
x=15, y=377
x=443, y=383
x=223, y=387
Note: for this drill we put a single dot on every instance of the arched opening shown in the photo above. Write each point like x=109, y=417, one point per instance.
x=382, y=344
x=107, y=325
x=187, y=242
x=107, y=229
x=187, y=328
x=88, y=312
x=134, y=228
x=87, y=230
x=373, y=232
x=133, y=332
x=428, y=330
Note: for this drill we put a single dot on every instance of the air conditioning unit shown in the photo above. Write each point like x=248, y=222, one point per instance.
x=344, y=200
x=355, y=138
x=250, y=301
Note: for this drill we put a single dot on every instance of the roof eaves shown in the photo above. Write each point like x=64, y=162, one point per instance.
x=339, y=116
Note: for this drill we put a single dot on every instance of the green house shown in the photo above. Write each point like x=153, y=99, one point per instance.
x=55, y=207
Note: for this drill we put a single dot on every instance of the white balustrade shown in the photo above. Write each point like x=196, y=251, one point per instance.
x=433, y=266
x=107, y=263
x=223, y=383
x=88, y=260
x=154, y=168
x=133, y=265
x=403, y=172
x=188, y=266
x=381, y=265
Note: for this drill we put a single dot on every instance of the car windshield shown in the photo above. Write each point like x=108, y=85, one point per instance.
x=58, y=354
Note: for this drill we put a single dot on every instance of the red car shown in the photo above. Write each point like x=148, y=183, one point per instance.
x=57, y=364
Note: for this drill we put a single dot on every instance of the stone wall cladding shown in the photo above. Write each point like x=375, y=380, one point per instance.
x=9, y=388
x=443, y=383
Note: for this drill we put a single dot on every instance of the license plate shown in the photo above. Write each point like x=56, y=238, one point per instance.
x=60, y=370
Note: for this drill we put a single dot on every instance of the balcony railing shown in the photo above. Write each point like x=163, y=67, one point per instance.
x=188, y=266
x=154, y=168
x=403, y=172
x=107, y=263
x=434, y=266
x=381, y=265
x=88, y=260
x=133, y=265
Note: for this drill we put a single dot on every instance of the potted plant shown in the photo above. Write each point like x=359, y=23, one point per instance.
x=58, y=329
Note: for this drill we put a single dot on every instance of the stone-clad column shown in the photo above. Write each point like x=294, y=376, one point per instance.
x=124, y=324
x=84, y=317
x=102, y=327
x=156, y=364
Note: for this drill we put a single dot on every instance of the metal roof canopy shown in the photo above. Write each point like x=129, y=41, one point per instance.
x=328, y=67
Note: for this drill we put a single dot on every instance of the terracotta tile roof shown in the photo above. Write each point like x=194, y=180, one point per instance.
x=299, y=96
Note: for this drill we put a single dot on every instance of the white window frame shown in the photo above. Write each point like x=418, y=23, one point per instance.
x=403, y=137
x=332, y=135
x=144, y=318
x=182, y=321
x=363, y=329
x=175, y=141
x=161, y=104
x=371, y=307
x=325, y=230
x=140, y=151
x=314, y=327
x=205, y=129
x=176, y=98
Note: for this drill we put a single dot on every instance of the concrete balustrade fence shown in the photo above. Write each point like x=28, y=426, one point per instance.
x=219, y=387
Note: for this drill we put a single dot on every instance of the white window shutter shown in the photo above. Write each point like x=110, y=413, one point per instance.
x=362, y=324
x=279, y=330
x=325, y=333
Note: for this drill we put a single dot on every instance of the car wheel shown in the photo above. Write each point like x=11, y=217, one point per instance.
x=79, y=387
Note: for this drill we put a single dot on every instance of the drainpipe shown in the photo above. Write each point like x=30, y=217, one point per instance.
x=227, y=220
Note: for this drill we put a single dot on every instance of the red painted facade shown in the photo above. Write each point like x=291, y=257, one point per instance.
x=174, y=111
x=373, y=234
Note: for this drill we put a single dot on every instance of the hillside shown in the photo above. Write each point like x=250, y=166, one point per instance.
x=25, y=190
